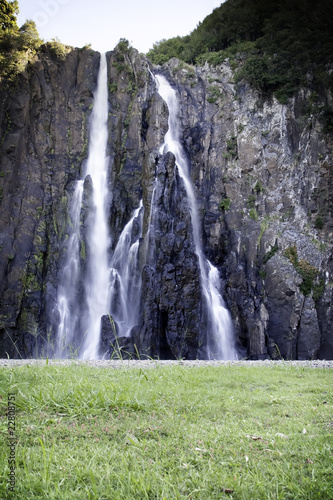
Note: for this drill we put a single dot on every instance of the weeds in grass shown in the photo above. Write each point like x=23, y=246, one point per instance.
x=116, y=349
x=47, y=462
x=49, y=342
x=71, y=349
x=14, y=343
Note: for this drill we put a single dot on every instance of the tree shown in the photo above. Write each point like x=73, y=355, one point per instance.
x=29, y=37
x=272, y=45
x=17, y=45
x=8, y=12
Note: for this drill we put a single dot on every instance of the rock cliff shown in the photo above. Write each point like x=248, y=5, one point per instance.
x=263, y=178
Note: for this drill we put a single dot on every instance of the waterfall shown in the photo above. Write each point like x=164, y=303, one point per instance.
x=110, y=285
x=95, y=284
x=220, y=328
x=67, y=291
x=98, y=238
x=125, y=275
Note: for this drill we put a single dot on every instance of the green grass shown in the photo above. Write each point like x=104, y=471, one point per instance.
x=212, y=432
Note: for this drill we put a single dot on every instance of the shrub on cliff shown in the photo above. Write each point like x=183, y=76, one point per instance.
x=17, y=45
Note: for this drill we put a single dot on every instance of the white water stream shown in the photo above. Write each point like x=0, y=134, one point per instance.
x=125, y=276
x=111, y=285
x=98, y=237
x=220, y=327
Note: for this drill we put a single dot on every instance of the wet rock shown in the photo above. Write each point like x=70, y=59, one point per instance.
x=170, y=287
x=308, y=339
x=262, y=175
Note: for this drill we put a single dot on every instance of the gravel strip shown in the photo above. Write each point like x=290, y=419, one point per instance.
x=156, y=363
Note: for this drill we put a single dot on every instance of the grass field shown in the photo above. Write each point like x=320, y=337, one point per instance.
x=238, y=432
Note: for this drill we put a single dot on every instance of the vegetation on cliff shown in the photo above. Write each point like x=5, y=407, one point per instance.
x=276, y=46
x=19, y=45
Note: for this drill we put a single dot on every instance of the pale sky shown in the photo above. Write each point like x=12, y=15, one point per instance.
x=102, y=23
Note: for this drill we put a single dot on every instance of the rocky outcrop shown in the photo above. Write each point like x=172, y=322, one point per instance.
x=171, y=326
x=43, y=143
x=259, y=167
x=262, y=173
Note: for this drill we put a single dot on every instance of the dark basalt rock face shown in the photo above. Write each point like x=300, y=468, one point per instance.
x=262, y=174
x=171, y=276
x=44, y=139
x=259, y=168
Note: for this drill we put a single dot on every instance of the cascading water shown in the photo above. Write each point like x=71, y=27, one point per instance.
x=67, y=292
x=125, y=276
x=220, y=328
x=98, y=237
x=114, y=286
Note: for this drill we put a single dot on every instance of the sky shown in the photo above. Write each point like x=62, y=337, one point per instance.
x=102, y=23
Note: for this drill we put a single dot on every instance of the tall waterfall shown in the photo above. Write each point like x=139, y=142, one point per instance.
x=96, y=280
x=220, y=327
x=111, y=284
x=98, y=237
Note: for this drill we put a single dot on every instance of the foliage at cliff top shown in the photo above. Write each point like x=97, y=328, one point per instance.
x=276, y=46
x=18, y=46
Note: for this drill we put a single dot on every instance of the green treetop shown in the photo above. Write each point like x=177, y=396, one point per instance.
x=8, y=13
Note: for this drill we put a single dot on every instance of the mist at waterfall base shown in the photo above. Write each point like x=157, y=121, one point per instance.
x=107, y=285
